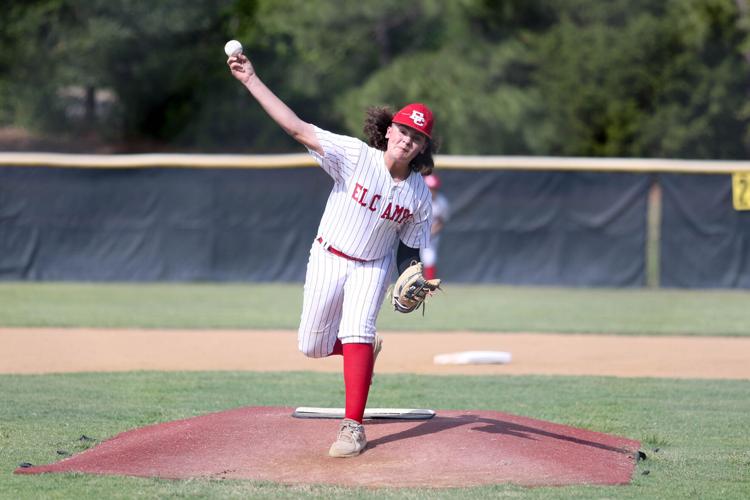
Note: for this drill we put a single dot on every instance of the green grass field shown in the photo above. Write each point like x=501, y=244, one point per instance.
x=697, y=426
x=458, y=307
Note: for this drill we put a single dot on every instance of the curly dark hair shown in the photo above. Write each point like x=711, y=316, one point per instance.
x=377, y=121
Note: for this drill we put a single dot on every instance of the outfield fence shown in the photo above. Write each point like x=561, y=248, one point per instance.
x=459, y=162
x=515, y=220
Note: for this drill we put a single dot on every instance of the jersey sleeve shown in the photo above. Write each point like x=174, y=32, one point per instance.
x=416, y=231
x=340, y=153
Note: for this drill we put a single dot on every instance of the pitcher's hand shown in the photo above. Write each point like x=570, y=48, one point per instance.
x=241, y=67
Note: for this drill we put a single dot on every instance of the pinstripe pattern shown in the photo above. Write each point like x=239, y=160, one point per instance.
x=365, y=231
x=365, y=215
x=342, y=300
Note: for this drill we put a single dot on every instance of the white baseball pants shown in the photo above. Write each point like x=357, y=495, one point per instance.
x=342, y=300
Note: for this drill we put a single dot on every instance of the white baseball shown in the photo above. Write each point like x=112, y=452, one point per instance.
x=233, y=48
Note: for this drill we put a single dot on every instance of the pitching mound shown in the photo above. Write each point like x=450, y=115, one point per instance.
x=453, y=449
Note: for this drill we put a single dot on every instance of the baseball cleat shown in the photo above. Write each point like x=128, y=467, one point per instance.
x=350, y=441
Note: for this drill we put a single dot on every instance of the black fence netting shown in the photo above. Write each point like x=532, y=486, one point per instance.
x=150, y=224
x=545, y=228
x=705, y=242
x=157, y=224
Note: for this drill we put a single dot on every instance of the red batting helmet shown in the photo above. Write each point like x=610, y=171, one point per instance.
x=432, y=181
x=417, y=116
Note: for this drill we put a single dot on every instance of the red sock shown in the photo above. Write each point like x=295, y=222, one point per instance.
x=357, y=375
x=337, y=349
x=429, y=272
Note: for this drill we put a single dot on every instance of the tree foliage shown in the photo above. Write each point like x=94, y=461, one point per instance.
x=652, y=78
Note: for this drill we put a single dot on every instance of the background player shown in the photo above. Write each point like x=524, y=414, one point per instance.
x=378, y=200
x=440, y=215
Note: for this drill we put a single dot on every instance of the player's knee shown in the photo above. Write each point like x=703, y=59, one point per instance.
x=309, y=351
x=312, y=350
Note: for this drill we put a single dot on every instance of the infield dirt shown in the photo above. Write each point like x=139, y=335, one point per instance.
x=53, y=350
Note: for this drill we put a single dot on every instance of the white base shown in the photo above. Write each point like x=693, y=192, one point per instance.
x=473, y=357
x=395, y=413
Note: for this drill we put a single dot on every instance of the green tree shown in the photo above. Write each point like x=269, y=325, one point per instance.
x=661, y=82
x=159, y=60
x=538, y=77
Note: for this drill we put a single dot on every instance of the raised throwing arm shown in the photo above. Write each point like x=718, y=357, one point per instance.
x=302, y=131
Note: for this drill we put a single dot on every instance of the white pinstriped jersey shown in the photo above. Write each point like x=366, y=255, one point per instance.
x=367, y=211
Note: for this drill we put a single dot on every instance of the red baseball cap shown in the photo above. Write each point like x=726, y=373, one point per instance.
x=417, y=116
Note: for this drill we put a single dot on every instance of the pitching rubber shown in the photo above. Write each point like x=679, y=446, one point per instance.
x=370, y=413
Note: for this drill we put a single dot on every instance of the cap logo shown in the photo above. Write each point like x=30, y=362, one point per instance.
x=417, y=117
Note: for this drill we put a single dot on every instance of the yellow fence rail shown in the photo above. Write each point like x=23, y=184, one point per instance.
x=625, y=165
